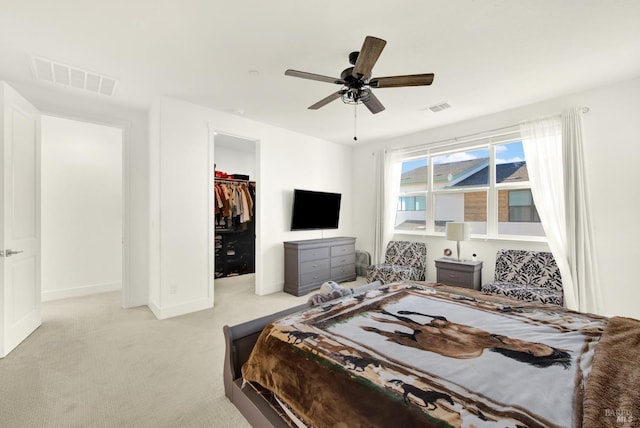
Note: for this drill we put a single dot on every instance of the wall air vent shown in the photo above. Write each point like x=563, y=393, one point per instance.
x=439, y=107
x=75, y=77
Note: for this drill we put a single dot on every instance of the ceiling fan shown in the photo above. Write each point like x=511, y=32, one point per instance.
x=357, y=82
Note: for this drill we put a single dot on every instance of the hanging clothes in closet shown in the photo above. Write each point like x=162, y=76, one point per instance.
x=234, y=205
x=234, y=211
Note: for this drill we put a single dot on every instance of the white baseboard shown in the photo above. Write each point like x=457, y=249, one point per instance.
x=87, y=290
x=155, y=309
x=180, y=309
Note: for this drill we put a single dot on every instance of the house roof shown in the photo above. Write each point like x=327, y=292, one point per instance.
x=505, y=173
x=474, y=172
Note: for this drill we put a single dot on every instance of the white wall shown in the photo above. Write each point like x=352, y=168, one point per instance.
x=179, y=191
x=235, y=155
x=612, y=149
x=613, y=142
x=97, y=109
x=81, y=208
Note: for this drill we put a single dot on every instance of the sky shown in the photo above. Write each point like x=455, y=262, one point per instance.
x=505, y=153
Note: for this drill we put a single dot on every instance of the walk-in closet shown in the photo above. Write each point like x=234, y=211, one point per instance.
x=235, y=207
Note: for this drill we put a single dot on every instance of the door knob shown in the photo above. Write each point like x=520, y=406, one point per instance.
x=10, y=252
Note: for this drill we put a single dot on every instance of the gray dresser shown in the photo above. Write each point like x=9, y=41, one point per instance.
x=309, y=263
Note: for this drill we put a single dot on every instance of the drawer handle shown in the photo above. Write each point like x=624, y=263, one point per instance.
x=452, y=275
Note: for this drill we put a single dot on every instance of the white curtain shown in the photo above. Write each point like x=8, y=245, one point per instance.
x=388, y=172
x=553, y=150
x=582, y=251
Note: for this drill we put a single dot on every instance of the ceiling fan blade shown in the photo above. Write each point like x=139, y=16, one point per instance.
x=399, y=81
x=374, y=105
x=312, y=76
x=326, y=100
x=369, y=53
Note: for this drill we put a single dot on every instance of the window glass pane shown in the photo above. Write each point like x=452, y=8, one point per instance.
x=414, y=175
x=468, y=206
x=461, y=169
x=411, y=213
x=511, y=165
x=517, y=214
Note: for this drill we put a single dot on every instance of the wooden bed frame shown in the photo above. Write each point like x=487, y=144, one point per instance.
x=239, y=342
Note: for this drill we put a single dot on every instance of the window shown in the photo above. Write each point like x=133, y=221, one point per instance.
x=484, y=182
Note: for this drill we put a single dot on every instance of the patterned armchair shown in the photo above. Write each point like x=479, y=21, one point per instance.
x=527, y=275
x=403, y=260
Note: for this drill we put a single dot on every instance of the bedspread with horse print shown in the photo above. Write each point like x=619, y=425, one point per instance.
x=407, y=354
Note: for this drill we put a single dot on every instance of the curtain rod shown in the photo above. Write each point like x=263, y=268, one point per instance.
x=584, y=110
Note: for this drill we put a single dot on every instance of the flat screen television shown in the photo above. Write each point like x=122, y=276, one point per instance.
x=315, y=210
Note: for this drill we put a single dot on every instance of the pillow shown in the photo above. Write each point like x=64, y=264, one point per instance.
x=328, y=291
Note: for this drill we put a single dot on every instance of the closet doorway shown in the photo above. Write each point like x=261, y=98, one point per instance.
x=82, y=208
x=234, y=227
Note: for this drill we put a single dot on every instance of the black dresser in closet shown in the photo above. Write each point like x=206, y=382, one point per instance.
x=235, y=229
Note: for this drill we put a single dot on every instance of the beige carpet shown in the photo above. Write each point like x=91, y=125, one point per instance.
x=93, y=364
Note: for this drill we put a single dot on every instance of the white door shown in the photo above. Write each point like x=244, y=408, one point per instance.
x=19, y=219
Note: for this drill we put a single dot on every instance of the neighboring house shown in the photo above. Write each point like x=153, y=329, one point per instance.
x=514, y=205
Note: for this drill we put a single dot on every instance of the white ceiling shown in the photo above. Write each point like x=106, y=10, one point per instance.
x=487, y=55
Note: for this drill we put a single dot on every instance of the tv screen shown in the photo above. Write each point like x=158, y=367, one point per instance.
x=315, y=210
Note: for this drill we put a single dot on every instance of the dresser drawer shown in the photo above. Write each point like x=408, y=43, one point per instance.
x=453, y=277
x=343, y=272
x=314, y=254
x=340, y=250
x=314, y=266
x=317, y=277
x=343, y=260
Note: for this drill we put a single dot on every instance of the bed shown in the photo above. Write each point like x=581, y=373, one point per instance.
x=418, y=354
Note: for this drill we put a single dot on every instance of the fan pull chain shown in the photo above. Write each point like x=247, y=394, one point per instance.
x=355, y=118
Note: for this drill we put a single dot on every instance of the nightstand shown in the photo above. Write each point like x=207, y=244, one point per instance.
x=466, y=273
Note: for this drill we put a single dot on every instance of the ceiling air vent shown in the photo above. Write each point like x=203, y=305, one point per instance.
x=57, y=72
x=439, y=107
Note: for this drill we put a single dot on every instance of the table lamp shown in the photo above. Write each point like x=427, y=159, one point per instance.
x=458, y=231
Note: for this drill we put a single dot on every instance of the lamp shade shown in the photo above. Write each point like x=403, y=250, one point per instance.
x=458, y=231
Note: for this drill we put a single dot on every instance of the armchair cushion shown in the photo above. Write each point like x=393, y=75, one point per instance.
x=524, y=292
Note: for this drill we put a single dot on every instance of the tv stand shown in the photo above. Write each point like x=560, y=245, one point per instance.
x=309, y=263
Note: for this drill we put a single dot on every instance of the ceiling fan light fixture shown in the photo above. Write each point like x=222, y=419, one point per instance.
x=356, y=95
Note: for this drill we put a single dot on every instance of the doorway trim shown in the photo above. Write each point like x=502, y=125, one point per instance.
x=213, y=131
x=125, y=126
